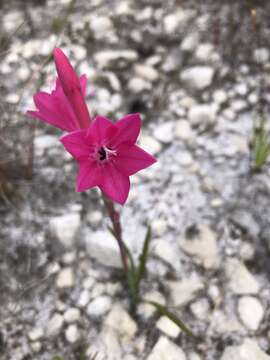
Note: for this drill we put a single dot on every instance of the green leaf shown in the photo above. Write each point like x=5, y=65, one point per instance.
x=143, y=258
x=164, y=311
x=262, y=148
x=57, y=357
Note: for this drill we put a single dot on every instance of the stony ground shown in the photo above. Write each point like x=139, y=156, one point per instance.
x=198, y=72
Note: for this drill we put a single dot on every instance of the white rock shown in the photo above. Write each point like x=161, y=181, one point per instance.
x=167, y=252
x=148, y=143
x=202, y=245
x=159, y=227
x=55, y=325
x=261, y=55
x=200, y=309
x=183, y=131
x=249, y=350
x=197, y=77
x=164, y=349
x=100, y=25
x=179, y=19
x=202, y=115
x=102, y=246
x=65, y=278
x=12, y=98
x=84, y=298
x=45, y=142
x=88, y=283
x=146, y=72
x=94, y=217
x=107, y=58
x=65, y=227
x=194, y=356
x=247, y=252
x=136, y=85
x=72, y=334
x=182, y=292
x=120, y=321
x=185, y=158
x=204, y=52
x=147, y=310
x=225, y=324
x=241, y=281
x=99, y=306
x=36, y=334
x=168, y=327
x=165, y=132
x=72, y=315
x=36, y=346
x=250, y=311
x=190, y=42
x=220, y=96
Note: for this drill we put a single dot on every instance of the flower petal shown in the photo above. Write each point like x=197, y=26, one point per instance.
x=54, y=109
x=115, y=184
x=129, y=129
x=76, y=144
x=131, y=159
x=89, y=176
x=71, y=87
x=101, y=131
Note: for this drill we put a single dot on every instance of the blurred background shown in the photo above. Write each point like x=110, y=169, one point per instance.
x=198, y=73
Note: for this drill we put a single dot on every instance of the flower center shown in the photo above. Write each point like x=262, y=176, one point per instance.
x=104, y=153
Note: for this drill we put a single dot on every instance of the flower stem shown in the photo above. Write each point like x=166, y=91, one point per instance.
x=117, y=230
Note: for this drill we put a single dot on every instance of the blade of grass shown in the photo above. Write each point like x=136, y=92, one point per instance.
x=143, y=258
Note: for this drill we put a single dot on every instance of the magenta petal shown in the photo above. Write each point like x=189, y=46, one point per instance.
x=129, y=129
x=131, y=159
x=115, y=184
x=76, y=144
x=101, y=131
x=71, y=87
x=54, y=109
x=89, y=176
x=83, y=83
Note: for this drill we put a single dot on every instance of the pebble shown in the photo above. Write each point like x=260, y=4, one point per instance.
x=165, y=132
x=149, y=144
x=248, y=350
x=121, y=322
x=202, y=115
x=72, y=315
x=146, y=72
x=65, y=278
x=84, y=298
x=102, y=246
x=65, y=227
x=200, y=309
x=168, y=327
x=167, y=252
x=55, y=325
x=164, y=349
x=241, y=281
x=137, y=85
x=109, y=58
x=36, y=334
x=184, y=291
x=202, y=246
x=197, y=77
x=99, y=306
x=251, y=312
x=183, y=131
x=147, y=310
x=72, y=334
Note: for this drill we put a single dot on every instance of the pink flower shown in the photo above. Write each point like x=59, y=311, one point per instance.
x=64, y=107
x=107, y=155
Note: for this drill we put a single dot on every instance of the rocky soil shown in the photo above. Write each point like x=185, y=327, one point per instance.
x=198, y=72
